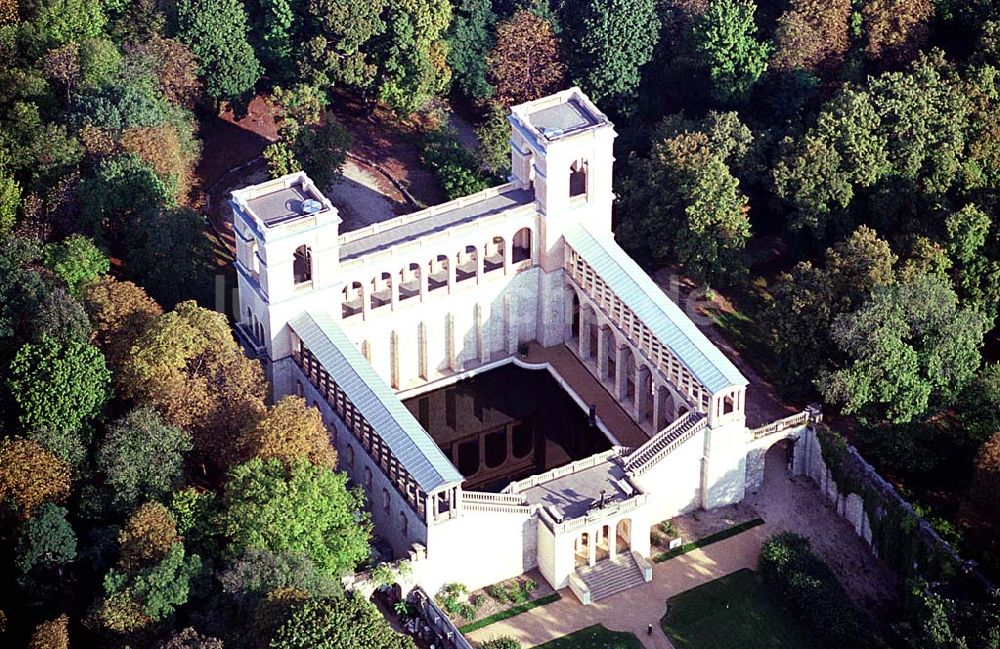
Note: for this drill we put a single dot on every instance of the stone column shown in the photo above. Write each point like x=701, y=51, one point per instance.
x=621, y=374
x=479, y=264
x=424, y=272
x=657, y=407
x=603, y=338
x=451, y=273
x=366, y=302
x=508, y=251
x=394, y=292
x=642, y=394
x=592, y=548
x=584, y=350
x=612, y=541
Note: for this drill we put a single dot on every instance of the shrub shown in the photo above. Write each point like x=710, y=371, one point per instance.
x=453, y=599
x=501, y=642
x=455, y=167
x=789, y=566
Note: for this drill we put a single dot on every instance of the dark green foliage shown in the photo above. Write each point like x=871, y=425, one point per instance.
x=121, y=105
x=470, y=38
x=158, y=589
x=142, y=457
x=612, y=41
x=252, y=576
x=455, y=167
x=58, y=387
x=169, y=255
x=216, y=32
x=45, y=540
x=189, y=638
x=124, y=189
x=807, y=585
x=337, y=623
x=936, y=621
x=277, y=31
x=60, y=316
x=502, y=642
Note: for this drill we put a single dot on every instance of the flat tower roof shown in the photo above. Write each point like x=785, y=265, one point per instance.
x=282, y=200
x=562, y=118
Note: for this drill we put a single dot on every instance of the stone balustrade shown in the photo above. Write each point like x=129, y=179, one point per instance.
x=559, y=472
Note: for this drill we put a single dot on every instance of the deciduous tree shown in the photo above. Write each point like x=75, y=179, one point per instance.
x=896, y=28
x=470, y=38
x=216, y=32
x=142, y=457
x=411, y=55
x=189, y=638
x=58, y=387
x=725, y=38
x=612, y=42
x=812, y=34
x=306, y=510
x=983, y=506
x=912, y=346
x=526, y=63
x=119, y=313
x=290, y=431
x=173, y=65
x=337, y=42
x=342, y=622
x=169, y=254
x=30, y=476
x=45, y=542
x=147, y=537
x=51, y=634
x=77, y=260
x=188, y=366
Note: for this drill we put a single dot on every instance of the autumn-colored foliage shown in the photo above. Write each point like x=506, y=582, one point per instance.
x=896, y=28
x=30, y=476
x=173, y=64
x=146, y=537
x=525, y=64
x=812, y=34
x=119, y=313
x=188, y=366
x=51, y=634
x=8, y=11
x=983, y=507
x=161, y=147
x=290, y=431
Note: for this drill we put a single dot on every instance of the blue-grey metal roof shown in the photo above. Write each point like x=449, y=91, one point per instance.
x=376, y=401
x=665, y=319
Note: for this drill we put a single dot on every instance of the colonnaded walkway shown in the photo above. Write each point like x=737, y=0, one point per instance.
x=590, y=390
x=634, y=609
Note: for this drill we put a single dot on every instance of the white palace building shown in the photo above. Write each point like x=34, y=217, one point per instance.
x=357, y=321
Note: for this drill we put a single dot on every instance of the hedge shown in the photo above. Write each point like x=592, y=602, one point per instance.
x=510, y=612
x=709, y=540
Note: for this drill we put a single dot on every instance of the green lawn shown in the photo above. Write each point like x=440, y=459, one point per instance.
x=594, y=637
x=734, y=612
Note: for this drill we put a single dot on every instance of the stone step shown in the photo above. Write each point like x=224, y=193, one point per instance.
x=605, y=578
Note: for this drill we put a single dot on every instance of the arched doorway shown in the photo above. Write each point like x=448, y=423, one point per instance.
x=581, y=555
x=623, y=536
x=302, y=265
x=522, y=245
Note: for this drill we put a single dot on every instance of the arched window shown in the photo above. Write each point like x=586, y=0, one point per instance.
x=404, y=524
x=409, y=281
x=302, y=265
x=385, y=500
x=349, y=453
x=465, y=267
x=578, y=178
x=368, y=480
x=522, y=245
x=437, y=277
x=352, y=299
x=381, y=290
x=493, y=259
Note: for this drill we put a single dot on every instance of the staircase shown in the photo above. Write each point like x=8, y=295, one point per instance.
x=605, y=578
x=664, y=441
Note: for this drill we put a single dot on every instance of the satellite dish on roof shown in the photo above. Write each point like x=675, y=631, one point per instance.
x=311, y=206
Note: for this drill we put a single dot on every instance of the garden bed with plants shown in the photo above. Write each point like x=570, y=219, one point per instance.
x=470, y=611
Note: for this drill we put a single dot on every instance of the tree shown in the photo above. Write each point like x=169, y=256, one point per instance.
x=978, y=407
x=812, y=34
x=724, y=38
x=61, y=66
x=306, y=510
x=189, y=638
x=613, y=41
x=455, y=167
x=470, y=38
x=57, y=22
x=60, y=316
x=170, y=256
x=276, y=31
x=147, y=537
x=173, y=65
x=10, y=201
x=337, y=623
x=187, y=365
x=806, y=301
x=57, y=388
x=809, y=176
x=152, y=594
x=119, y=313
x=123, y=189
x=171, y=149
x=22, y=291
x=686, y=203
x=290, y=431
x=77, y=260
x=411, y=54
x=256, y=573
x=896, y=28
x=51, y=634
x=336, y=45
x=45, y=539
x=216, y=32
x=142, y=457
x=525, y=62
x=494, y=141
x=30, y=476
x=977, y=275
x=909, y=348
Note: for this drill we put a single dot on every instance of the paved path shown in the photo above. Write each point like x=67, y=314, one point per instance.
x=591, y=391
x=634, y=609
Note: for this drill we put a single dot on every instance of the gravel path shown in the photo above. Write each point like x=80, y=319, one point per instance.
x=359, y=198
